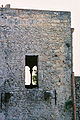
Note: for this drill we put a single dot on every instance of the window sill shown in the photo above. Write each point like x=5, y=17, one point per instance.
x=31, y=86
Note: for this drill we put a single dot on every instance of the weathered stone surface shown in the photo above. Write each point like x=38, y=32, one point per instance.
x=48, y=35
x=2, y=116
x=77, y=85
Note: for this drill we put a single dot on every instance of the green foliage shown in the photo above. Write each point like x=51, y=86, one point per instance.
x=6, y=97
x=47, y=96
x=34, y=78
x=69, y=104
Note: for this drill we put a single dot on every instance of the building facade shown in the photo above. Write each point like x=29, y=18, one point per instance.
x=35, y=64
x=77, y=91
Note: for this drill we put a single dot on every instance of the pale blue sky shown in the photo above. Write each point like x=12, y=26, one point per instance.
x=57, y=5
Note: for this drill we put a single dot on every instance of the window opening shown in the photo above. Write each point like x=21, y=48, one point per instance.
x=31, y=71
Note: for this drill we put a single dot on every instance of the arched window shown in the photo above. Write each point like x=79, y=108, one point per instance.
x=31, y=71
x=27, y=75
x=34, y=75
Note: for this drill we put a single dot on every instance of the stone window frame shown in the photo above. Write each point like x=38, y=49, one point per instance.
x=27, y=63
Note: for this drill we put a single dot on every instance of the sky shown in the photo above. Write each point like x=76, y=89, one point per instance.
x=57, y=5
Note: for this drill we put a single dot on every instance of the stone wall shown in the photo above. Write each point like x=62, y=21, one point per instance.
x=48, y=35
x=77, y=84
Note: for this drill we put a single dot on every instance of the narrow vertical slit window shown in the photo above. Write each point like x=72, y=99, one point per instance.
x=31, y=71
